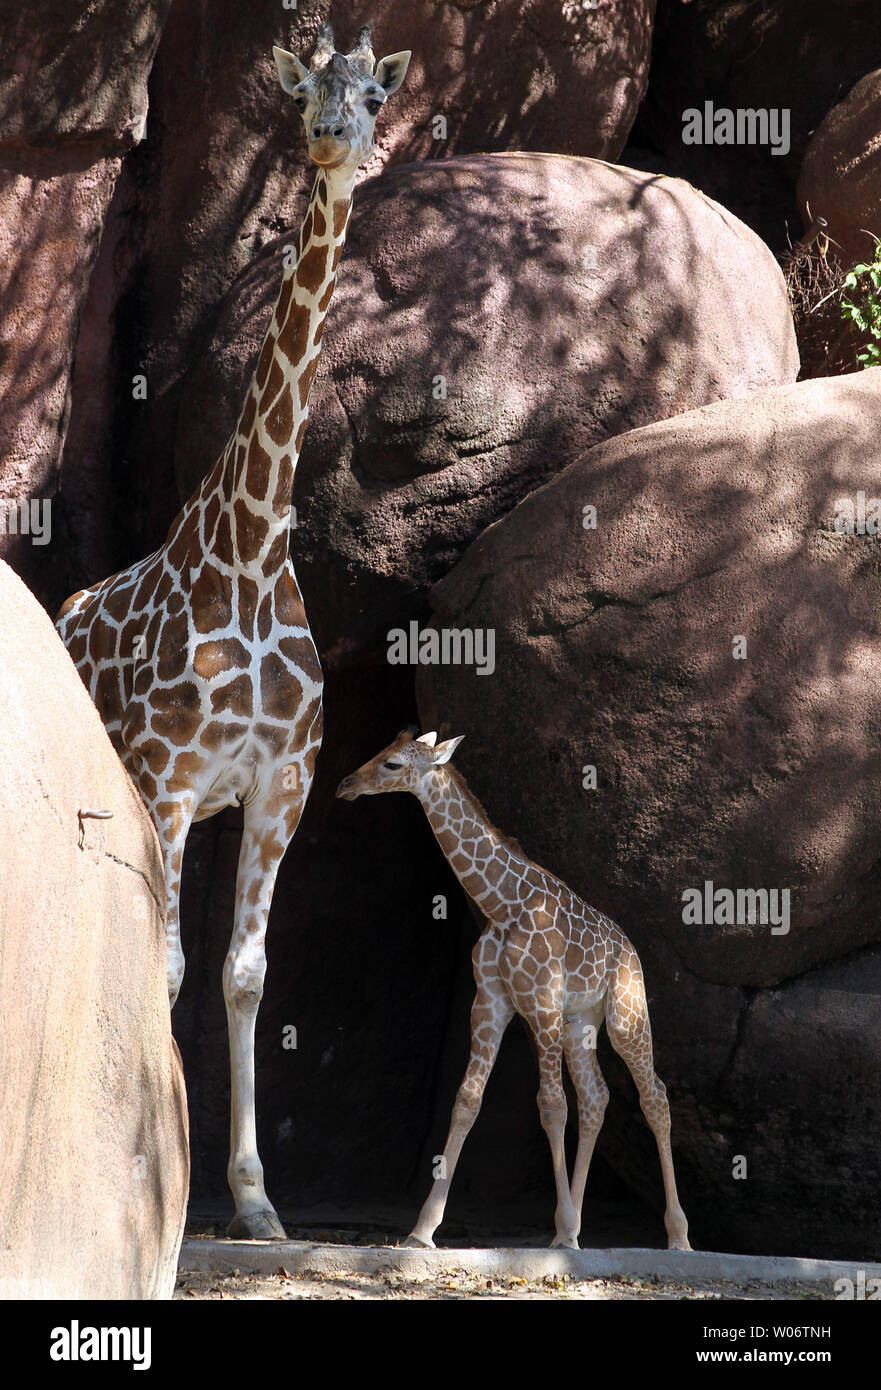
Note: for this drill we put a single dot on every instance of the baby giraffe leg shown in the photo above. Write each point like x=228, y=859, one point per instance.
x=579, y=1045
x=490, y=1015
x=631, y=1036
x=548, y=1031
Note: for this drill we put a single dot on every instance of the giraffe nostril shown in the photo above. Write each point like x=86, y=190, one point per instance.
x=338, y=132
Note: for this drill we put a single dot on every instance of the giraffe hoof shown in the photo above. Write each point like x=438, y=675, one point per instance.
x=564, y=1243
x=256, y=1225
x=414, y=1242
x=678, y=1245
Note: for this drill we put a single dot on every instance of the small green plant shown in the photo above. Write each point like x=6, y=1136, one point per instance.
x=861, y=305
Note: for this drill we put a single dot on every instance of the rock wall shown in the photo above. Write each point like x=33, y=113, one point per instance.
x=72, y=103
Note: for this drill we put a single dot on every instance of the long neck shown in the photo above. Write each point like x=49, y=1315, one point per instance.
x=254, y=477
x=486, y=866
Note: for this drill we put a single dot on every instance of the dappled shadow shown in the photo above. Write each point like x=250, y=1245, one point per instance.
x=79, y=83
x=43, y=282
x=556, y=301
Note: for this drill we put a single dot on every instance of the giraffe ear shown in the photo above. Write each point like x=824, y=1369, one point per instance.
x=430, y=739
x=290, y=70
x=445, y=751
x=391, y=71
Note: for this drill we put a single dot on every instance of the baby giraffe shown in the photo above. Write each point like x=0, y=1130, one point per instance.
x=546, y=955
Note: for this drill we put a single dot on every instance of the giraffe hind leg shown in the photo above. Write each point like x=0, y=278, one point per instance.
x=631, y=1036
x=547, y=1029
x=579, y=1047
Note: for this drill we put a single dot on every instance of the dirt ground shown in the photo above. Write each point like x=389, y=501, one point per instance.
x=455, y=1284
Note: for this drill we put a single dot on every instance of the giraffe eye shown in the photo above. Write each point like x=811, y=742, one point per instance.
x=373, y=106
x=393, y=765
x=300, y=104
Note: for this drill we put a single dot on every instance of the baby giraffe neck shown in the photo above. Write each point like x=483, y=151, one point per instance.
x=478, y=854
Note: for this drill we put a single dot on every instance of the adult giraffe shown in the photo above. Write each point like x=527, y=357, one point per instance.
x=200, y=658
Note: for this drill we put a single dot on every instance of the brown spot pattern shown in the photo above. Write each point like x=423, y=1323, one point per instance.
x=325, y=298
x=284, y=486
x=294, y=337
x=306, y=378
x=259, y=469
x=213, y=658
x=284, y=299
x=265, y=360
x=264, y=618
x=251, y=532
x=280, y=420
x=273, y=386
x=280, y=690
x=211, y=600
x=171, y=659
x=340, y=213
x=236, y=697
x=276, y=555
x=248, y=592
x=311, y=268
x=176, y=713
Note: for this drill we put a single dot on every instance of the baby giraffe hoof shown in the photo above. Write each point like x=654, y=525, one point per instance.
x=414, y=1242
x=564, y=1242
x=256, y=1225
x=678, y=1245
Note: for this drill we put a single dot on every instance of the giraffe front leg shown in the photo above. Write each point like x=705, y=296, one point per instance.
x=244, y=970
x=490, y=1016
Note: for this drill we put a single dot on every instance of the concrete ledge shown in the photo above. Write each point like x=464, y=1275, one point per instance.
x=304, y=1257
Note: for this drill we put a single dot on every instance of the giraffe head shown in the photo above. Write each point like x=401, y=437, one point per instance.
x=339, y=96
x=400, y=767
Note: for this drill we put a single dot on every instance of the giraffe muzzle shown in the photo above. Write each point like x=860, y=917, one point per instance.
x=330, y=150
x=348, y=789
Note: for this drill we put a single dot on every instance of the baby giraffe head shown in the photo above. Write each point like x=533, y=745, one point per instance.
x=400, y=767
x=339, y=96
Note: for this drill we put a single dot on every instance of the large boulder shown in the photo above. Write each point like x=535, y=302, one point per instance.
x=73, y=100
x=712, y=649
x=840, y=175
x=95, y=1165
x=77, y=84
x=793, y=56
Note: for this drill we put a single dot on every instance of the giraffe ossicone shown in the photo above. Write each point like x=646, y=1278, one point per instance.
x=199, y=658
x=546, y=955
